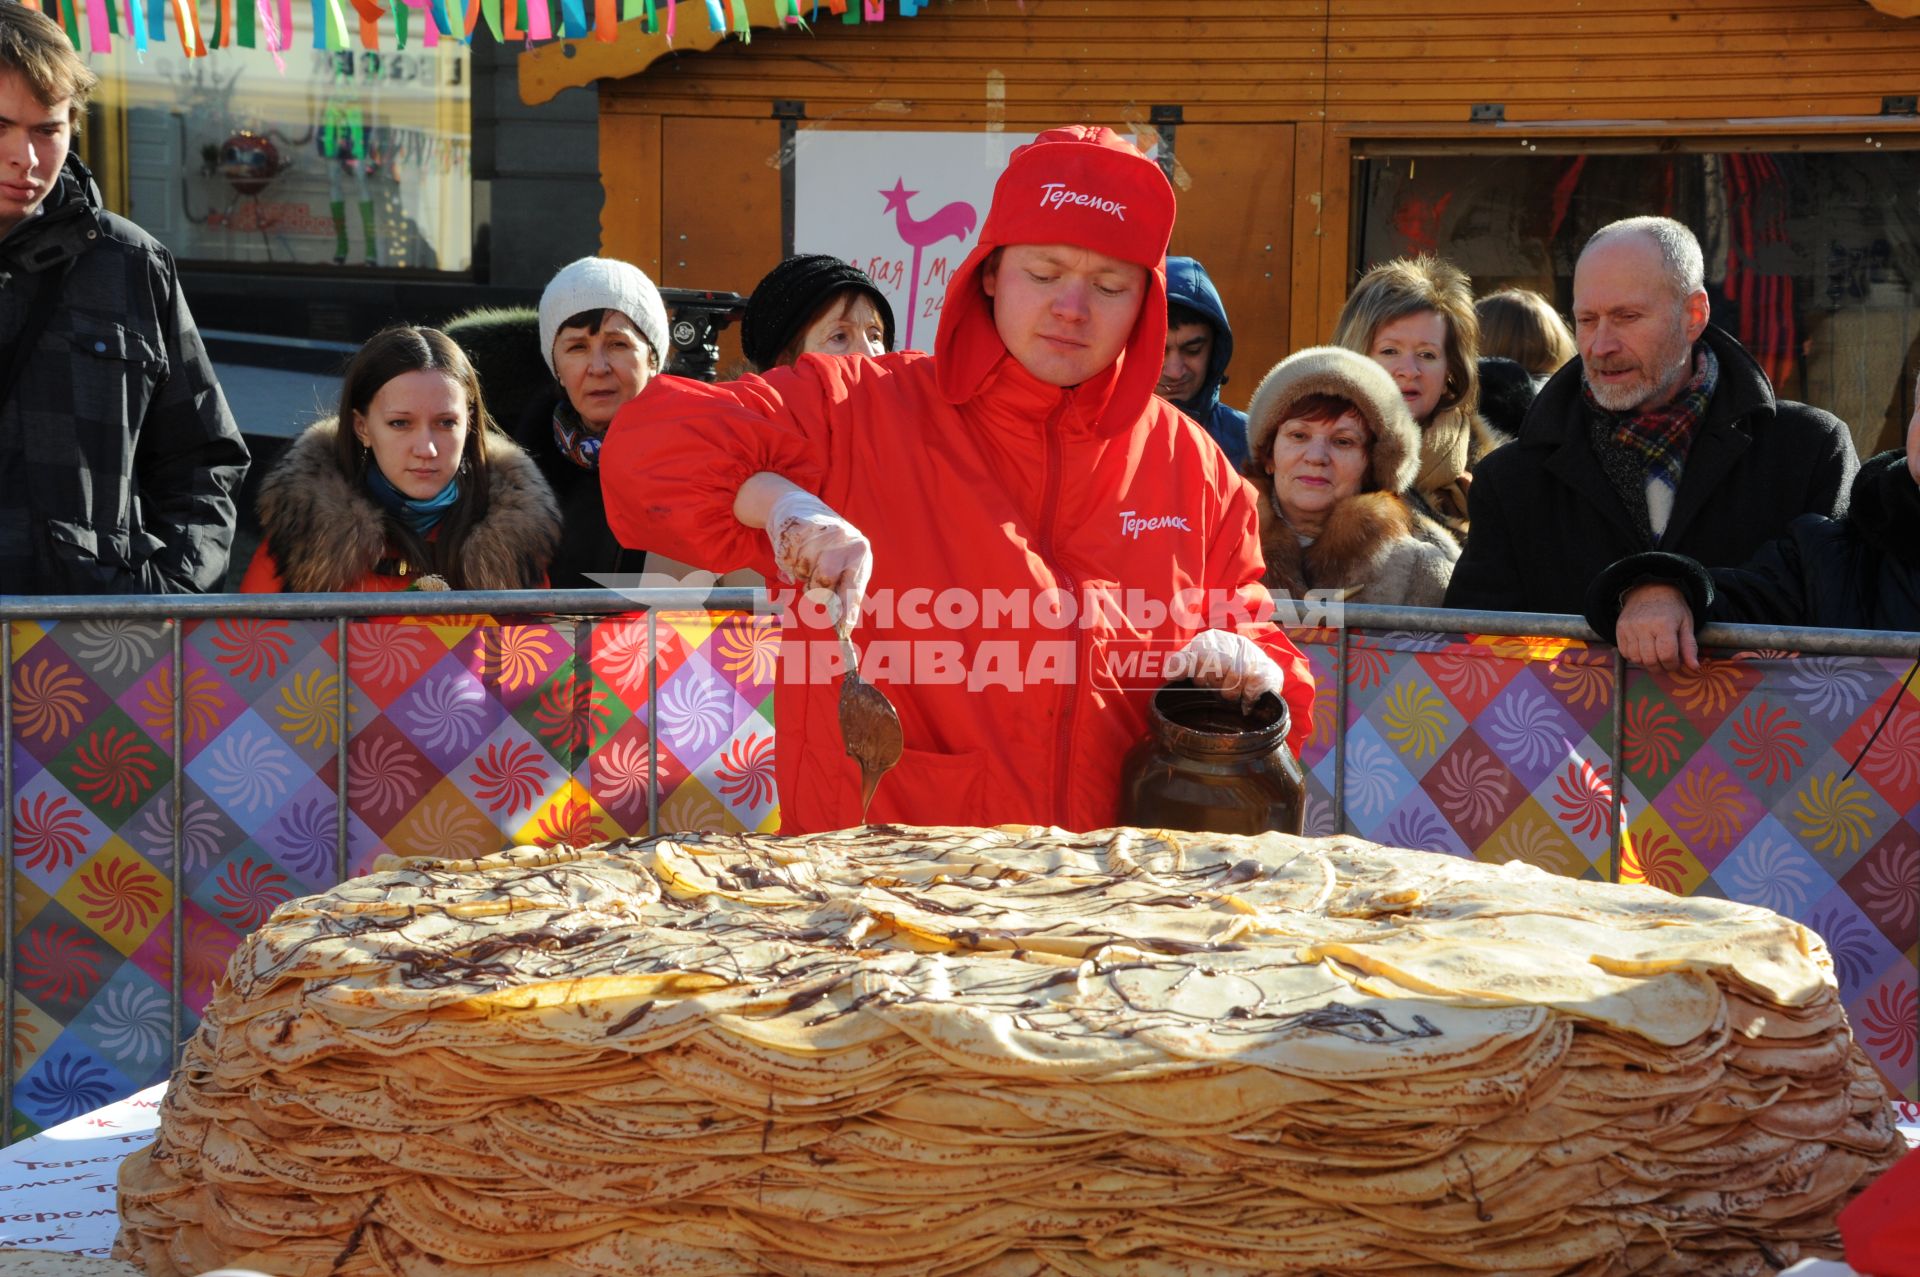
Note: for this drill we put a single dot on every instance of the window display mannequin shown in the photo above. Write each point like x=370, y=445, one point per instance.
x=346, y=143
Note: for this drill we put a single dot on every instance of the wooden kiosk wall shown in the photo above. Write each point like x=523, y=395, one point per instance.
x=1277, y=100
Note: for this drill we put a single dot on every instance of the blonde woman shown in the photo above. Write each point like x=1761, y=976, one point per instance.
x=1414, y=317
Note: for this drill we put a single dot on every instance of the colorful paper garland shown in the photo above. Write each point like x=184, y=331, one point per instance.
x=243, y=23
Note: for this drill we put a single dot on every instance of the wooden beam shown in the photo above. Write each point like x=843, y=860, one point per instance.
x=569, y=64
x=1309, y=216
x=633, y=176
x=1336, y=177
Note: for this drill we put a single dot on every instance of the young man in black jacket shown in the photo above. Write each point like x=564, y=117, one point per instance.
x=1199, y=348
x=1663, y=435
x=118, y=456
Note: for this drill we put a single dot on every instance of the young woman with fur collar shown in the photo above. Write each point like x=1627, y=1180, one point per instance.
x=1334, y=452
x=1414, y=316
x=417, y=491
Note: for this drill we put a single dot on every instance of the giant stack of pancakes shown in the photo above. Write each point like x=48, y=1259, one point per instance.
x=1008, y=1052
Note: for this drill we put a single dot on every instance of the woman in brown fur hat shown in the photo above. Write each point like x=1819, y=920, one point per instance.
x=1334, y=451
x=409, y=487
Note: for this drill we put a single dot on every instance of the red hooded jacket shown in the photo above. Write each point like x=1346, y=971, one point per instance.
x=975, y=481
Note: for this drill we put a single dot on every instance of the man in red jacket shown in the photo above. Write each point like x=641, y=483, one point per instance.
x=1037, y=541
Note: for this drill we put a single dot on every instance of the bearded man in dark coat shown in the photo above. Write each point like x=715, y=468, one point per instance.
x=1664, y=434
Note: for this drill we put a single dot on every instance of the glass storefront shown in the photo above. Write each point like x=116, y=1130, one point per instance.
x=348, y=158
x=1813, y=258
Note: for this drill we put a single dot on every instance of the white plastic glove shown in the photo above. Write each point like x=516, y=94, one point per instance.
x=1232, y=664
x=817, y=549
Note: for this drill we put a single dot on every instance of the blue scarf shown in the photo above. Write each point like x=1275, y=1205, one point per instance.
x=420, y=516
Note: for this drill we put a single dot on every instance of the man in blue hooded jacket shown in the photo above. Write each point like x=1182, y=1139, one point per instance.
x=1199, y=346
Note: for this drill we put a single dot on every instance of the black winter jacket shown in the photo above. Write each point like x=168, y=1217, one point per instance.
x=1858, y=573
x=1546, y=521
x=119, y=454
x=588, y=548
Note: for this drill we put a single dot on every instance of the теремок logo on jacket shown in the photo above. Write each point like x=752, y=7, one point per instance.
x=1133, y=524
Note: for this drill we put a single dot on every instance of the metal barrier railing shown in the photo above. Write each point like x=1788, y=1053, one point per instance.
x=175, y=610
x=581, y=605
x=1799, y=640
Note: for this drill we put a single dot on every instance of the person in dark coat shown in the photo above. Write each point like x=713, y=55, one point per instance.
x=1506, y=392
x=558, y=375
x=1861, y=572
x=1663, y=435
x=1199, y=348
x=119, y=459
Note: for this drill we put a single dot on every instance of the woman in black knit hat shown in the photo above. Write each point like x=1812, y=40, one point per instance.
x=814, y=304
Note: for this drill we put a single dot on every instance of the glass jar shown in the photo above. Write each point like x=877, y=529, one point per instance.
x=1210, y=767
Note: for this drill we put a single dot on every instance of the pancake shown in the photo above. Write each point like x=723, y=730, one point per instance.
x=1005, y=1053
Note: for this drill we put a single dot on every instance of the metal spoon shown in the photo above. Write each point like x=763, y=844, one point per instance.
x=868, y=723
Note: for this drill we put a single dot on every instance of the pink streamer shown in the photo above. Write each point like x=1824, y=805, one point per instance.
x=275, y=31
x=876, y=10
x=539, y=25
x=97, y=29
x=425, y=11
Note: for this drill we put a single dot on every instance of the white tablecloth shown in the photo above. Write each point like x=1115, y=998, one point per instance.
x=56, y=1189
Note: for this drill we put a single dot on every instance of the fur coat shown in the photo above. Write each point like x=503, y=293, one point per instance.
x=1375, y=547
x=322, y=532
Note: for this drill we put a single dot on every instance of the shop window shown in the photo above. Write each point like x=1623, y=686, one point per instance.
x=351, y=158
x=1812, y=259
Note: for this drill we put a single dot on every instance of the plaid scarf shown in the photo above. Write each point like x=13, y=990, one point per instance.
x=579, y=444
x=1660, y=437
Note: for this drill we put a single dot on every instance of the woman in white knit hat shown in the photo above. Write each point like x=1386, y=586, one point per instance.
x=1334, y=451
x=603, y=334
